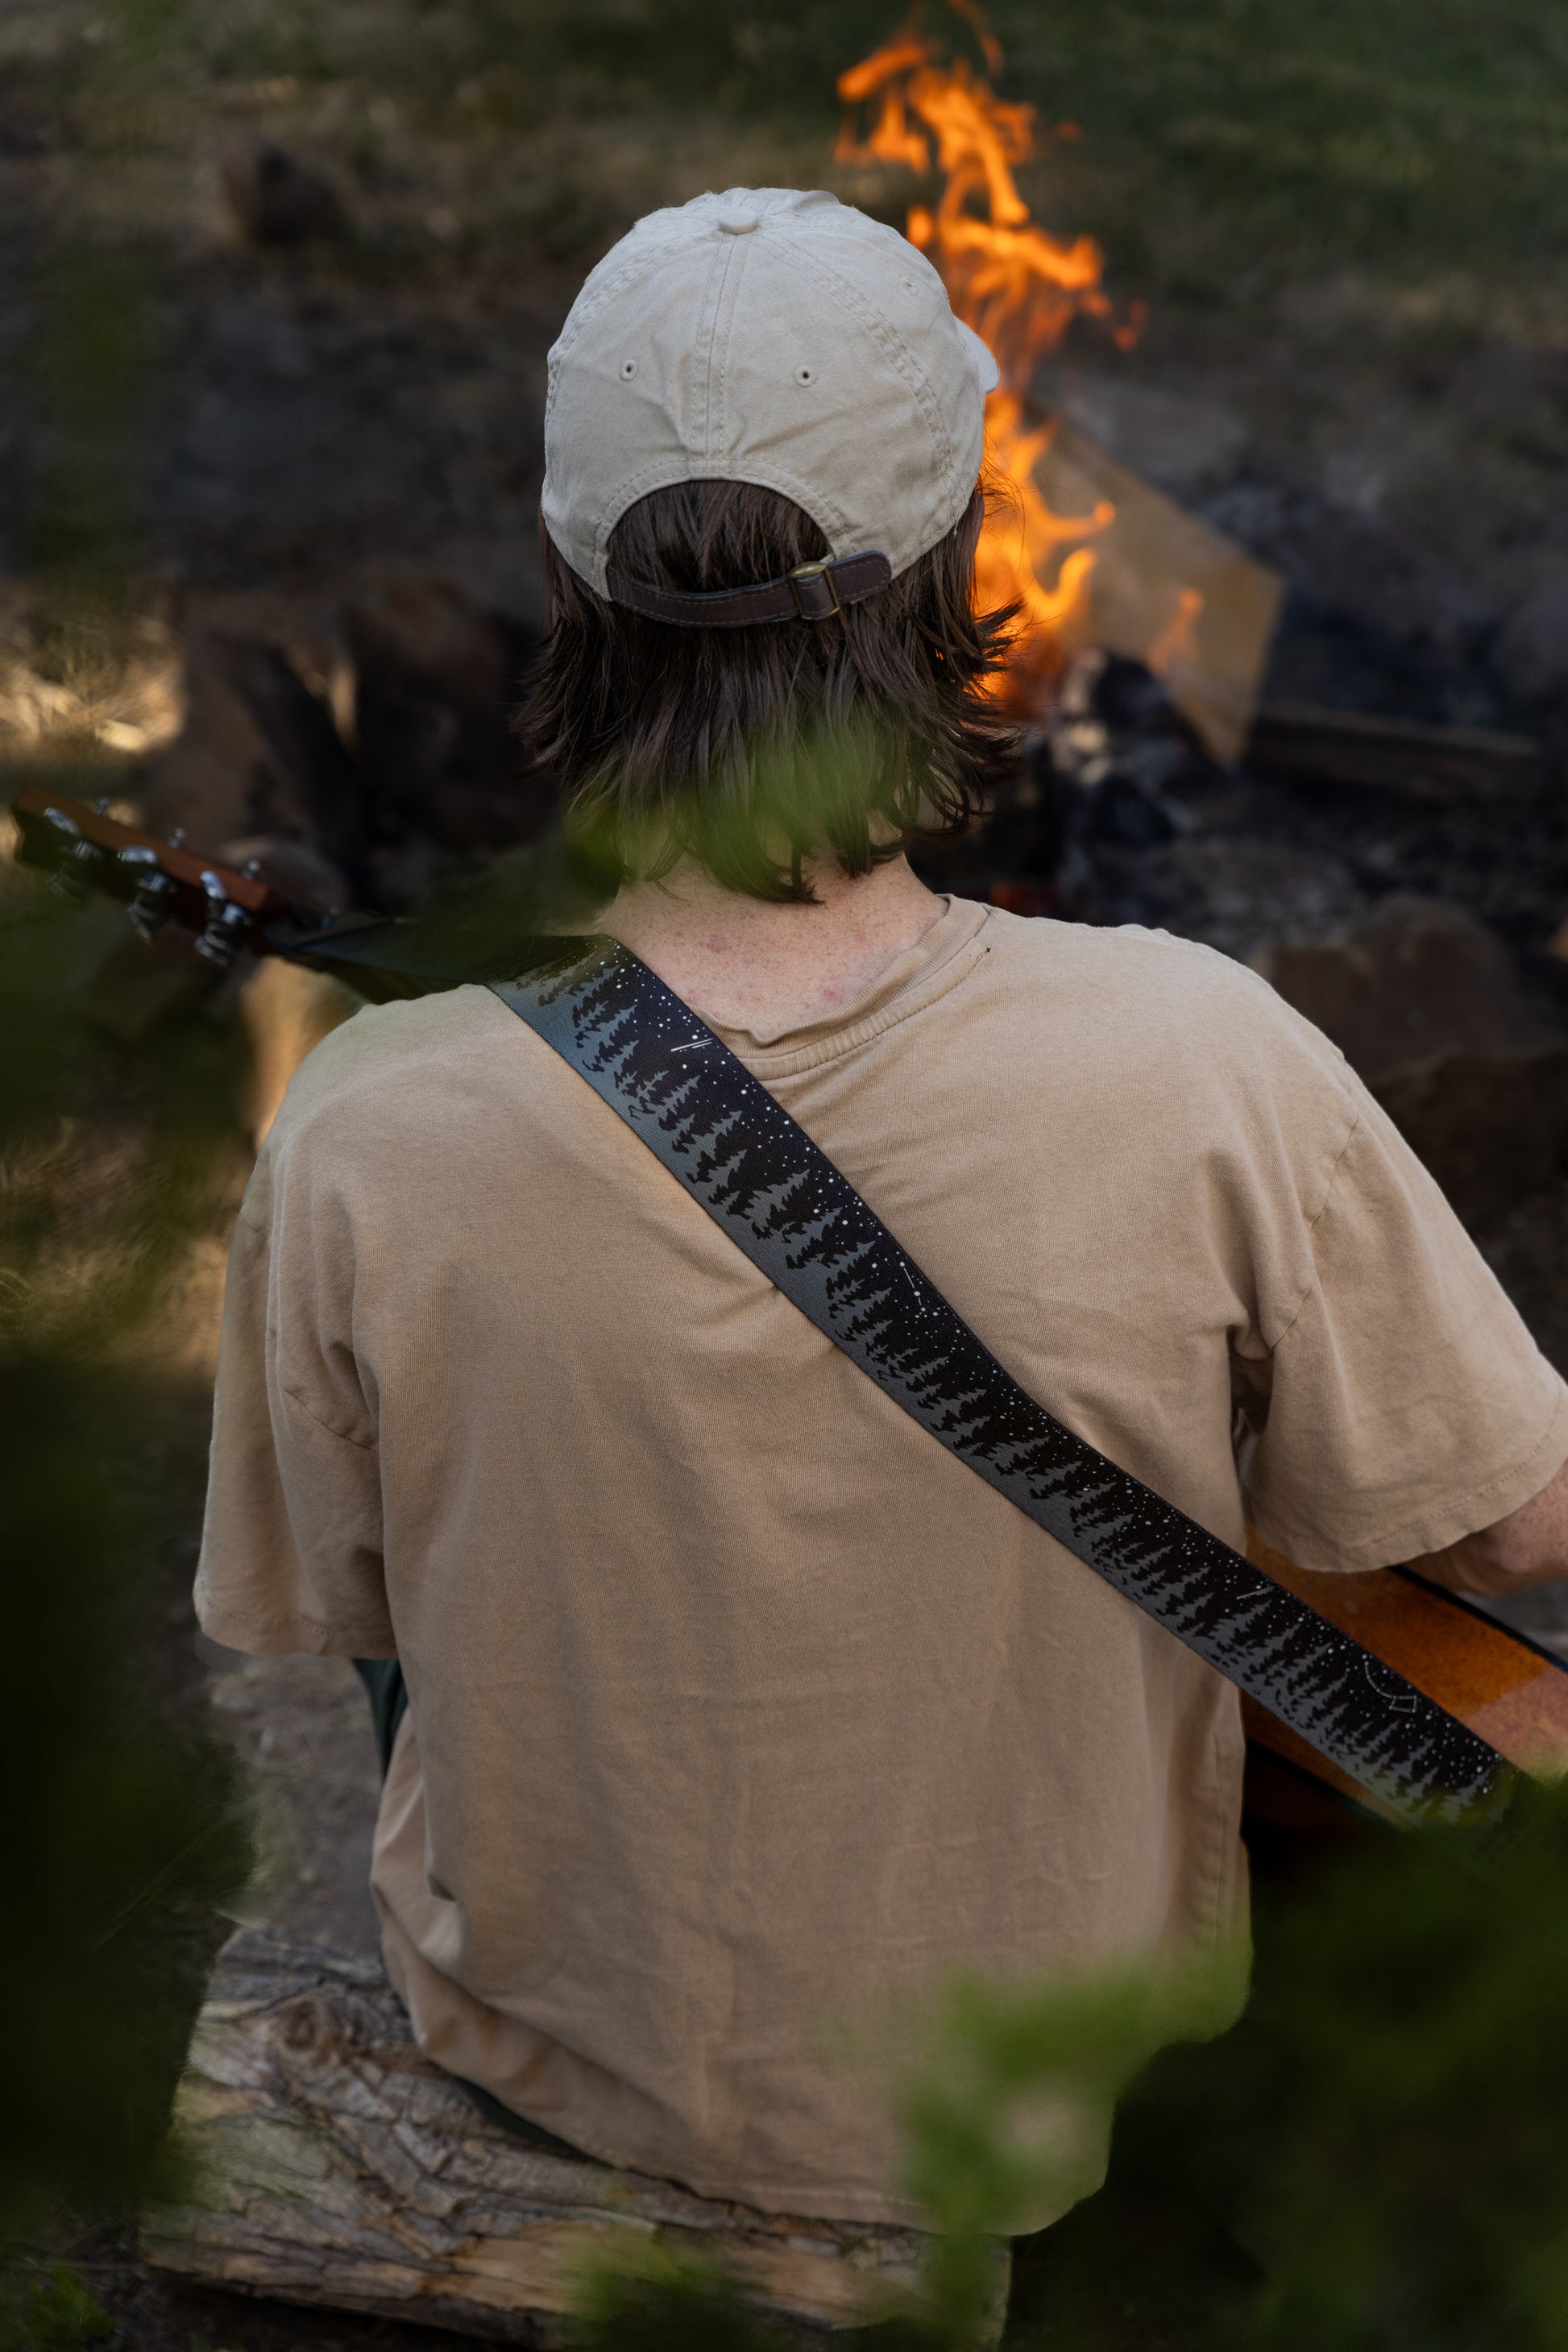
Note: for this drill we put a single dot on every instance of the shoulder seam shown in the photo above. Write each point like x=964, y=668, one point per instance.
x=1312, y=1223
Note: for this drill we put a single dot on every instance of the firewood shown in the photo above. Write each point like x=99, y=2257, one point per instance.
x=331, y=2164
x=1398, y=755
x=1166, y=589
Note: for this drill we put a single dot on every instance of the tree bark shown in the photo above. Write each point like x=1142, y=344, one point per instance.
x=329, y=2163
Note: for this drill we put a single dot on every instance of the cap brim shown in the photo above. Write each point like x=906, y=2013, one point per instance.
x=985, y=367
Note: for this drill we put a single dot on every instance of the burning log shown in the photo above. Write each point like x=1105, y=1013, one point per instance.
x=1167, y=590
x=334, y=2165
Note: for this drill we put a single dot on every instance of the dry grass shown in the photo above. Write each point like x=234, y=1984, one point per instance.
x=88, y=688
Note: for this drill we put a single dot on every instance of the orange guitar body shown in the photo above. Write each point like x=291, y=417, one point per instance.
x=1499, y=1686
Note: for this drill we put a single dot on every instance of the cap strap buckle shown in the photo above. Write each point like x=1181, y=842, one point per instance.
x=812, y=592
x=815, y=589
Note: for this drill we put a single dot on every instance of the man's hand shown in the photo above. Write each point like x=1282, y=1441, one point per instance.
x=1529, y=1547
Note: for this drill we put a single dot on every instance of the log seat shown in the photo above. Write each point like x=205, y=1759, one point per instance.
x=328, y=2163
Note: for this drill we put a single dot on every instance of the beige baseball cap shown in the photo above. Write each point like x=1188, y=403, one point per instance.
x=773, y=336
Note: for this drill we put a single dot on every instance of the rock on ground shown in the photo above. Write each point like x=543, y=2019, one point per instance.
x=1426, y=1003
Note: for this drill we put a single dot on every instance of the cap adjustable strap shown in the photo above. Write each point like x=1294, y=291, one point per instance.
x=812, y=592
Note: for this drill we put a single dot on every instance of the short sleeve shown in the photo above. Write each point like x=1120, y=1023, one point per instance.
x=1407, y=1403
x=291, y=1545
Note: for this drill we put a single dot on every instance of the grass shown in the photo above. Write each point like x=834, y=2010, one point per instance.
x=1229, y=144
x=1399, y=137
x=1222, y=137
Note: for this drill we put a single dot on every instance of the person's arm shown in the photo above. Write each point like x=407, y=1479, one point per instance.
x=1530, y=1546
x=291, y=1545
x=1406, y=1414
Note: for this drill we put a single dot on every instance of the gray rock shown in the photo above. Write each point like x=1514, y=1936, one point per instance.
x=1426, y=1004
x=259, y=754
x=1349, y=562
x=1531, y=653
x=278, y=200
x=436, y=681
x=1240, y=894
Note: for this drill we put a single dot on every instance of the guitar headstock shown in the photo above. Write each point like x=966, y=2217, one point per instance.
x=225, y=907
x=229, y=910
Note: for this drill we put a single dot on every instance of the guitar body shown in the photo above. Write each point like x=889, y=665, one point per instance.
x=1511, y=1694
x=1498, y=1683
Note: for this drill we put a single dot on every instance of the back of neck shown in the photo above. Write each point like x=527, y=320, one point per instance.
x=751, y=963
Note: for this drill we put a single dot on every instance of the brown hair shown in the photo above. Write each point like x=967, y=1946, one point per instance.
x=750, y=749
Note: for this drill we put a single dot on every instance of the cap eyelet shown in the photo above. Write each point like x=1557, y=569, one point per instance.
x=805, y=376
x=628, y=369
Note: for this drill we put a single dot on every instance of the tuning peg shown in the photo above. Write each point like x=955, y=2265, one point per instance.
x=151, y=906
x=100, y=805
x=177, y=839
x=73, y=876
x=228, y=924
x=253, y=869
x=153, y=902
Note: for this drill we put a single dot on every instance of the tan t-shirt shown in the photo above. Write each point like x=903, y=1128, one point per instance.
x=742, y=1713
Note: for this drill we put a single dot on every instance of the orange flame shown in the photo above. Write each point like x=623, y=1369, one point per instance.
x=1176, y=644
x=1023, y=540
x=1018, y=287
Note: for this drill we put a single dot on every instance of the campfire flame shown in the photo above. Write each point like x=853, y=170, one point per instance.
x=1016, y=285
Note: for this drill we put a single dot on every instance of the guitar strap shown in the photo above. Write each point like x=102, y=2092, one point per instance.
x=760, y=1176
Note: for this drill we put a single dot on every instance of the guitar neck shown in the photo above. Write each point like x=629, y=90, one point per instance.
x=228, y=910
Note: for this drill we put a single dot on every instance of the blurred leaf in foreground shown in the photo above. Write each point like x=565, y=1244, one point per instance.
x=53, y=2313
x=1372, y=2159
x=1375, y=2156
x=120, y=1834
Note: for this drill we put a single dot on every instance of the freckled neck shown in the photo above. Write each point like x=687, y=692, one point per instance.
x=748, y=963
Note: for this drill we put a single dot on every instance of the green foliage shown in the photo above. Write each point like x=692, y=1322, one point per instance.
x=1007, y=2122
x=1372, y=2159
x=93, y=355
x=664, y=2305
x=119, y=1835
x=1375, y=2156
x=1403, y=136
x=762, y=57
x=55, y=2315
x=92, y=366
